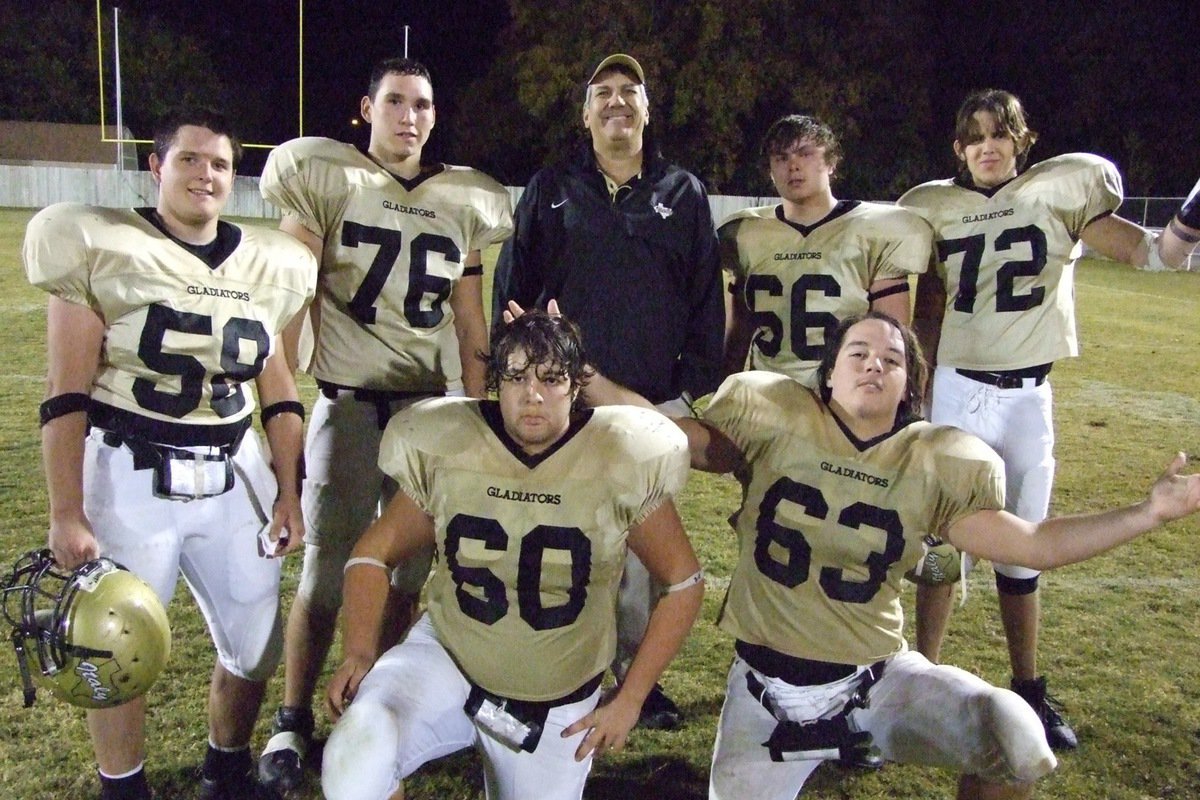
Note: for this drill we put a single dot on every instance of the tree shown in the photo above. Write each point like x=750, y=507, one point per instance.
x=53, y=67
x=718, y=73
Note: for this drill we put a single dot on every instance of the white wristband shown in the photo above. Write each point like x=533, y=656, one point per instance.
x=686, y=583
x=1154, y=262
x=374, y=562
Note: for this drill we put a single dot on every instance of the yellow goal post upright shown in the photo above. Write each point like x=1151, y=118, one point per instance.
x=119, y=139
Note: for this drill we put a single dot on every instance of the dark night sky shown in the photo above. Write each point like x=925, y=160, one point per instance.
x=254, y=42
x=1004, y=44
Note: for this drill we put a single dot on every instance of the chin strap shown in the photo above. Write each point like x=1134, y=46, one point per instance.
x=27, y=686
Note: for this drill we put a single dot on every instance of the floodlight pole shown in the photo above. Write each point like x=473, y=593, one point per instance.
x=300, y=42
x=406, y=41
x=120, y=125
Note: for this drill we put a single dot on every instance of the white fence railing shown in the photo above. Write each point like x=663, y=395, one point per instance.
x=37, y=187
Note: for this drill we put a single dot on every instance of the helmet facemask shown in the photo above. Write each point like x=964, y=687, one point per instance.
x=96, y=636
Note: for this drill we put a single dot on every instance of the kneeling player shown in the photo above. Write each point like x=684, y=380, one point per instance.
x=841, y=485
x=528, y=501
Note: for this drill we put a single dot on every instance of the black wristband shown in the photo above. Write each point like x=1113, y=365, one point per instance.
x=1176, y=229
x=282, y=407
x=895, y=288
x=63, y=404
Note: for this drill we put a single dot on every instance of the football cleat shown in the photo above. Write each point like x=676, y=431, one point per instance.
x=240, y=786
x=864, y=759
x=1049, y=710
x=96, y=636
x=281, y=766
x=659, y=712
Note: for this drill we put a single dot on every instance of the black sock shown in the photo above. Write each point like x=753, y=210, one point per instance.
x=222, y=765
x=131, y=787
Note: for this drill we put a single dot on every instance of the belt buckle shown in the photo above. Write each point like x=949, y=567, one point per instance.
x=1009, y=382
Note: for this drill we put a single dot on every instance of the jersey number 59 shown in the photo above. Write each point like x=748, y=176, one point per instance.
x=226, y=398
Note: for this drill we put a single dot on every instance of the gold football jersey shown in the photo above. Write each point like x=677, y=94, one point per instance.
x=530, y=550
x=799, y=281
x=1007, y=258
x=829, y=525
x=393, y=252
x=181, y=337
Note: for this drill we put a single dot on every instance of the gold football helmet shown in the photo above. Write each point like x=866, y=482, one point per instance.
x=96, y=636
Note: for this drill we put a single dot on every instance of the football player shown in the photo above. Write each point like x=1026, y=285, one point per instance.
x=799, y=266
x=398, y=317
x=998, y=311
x=840, y=487
x=157, y=319
x=531, y=502
x=624, y=240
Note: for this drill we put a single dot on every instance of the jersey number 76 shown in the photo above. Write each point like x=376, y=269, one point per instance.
x=420, y=282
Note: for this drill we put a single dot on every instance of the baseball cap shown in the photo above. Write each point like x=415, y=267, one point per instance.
x=619, y=60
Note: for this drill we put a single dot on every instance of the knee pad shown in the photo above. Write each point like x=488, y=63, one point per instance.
x=1022, y=583
x=254, y=653
x=409, y=578
x=360, y=756
x=1017, y=732
x=320, y=584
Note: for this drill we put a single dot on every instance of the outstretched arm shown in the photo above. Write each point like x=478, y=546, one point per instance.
x=1001, y=536
x=710, y=449
x=1129, y=243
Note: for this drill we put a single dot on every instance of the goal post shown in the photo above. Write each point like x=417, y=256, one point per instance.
x=120, y=139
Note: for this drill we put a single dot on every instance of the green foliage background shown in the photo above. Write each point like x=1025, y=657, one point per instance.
x=1119, y=639
x=888, y=75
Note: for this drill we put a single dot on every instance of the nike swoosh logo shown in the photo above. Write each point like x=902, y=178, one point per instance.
x=559, y=204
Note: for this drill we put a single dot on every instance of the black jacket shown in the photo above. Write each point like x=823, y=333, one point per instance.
x=641, y=277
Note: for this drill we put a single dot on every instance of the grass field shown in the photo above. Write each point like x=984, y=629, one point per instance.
x=1119, y=633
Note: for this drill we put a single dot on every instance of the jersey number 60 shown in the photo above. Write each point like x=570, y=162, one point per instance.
x=488, y=603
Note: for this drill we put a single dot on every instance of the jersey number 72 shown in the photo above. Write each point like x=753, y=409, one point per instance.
x=972, y=249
